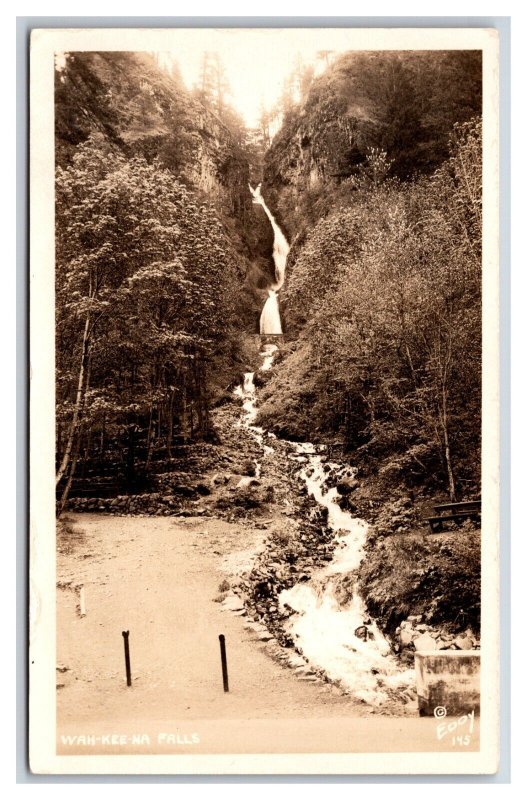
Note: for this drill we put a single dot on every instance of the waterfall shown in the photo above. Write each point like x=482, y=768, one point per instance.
x=270, y=317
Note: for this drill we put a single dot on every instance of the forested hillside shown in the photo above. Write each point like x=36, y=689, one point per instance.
x=404, y=105
x=160, y=263
x=137, y=109
x=377, y=178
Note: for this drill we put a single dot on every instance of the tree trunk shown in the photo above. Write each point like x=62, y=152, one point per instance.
x=73, y=466
x=101, y=443
x=184, y=413
x=446, y=445
x=197, y=395
x=130, y=456
x=203, y=397
x=443, y=416
x=170, y=423
x=149, y=437
x=79, y=400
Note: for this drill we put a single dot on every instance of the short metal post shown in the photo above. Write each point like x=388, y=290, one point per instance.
x=224, y=663
x=126, y=634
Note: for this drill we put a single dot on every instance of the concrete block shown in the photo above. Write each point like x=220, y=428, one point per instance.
x=447, y=679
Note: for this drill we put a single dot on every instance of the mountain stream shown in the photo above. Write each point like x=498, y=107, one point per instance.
x=335, y=636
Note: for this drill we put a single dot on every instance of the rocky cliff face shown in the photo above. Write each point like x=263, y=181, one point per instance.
x=128, y=100
x=403, y=104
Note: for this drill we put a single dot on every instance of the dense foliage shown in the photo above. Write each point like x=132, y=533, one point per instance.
x=162, y=264
x=145, y=303
x=376, y=177
x=440, y=579
x=141, y=110
x=384, y=301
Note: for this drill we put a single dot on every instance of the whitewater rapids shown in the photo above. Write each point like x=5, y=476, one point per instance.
x=341, y=639
x=336, y=637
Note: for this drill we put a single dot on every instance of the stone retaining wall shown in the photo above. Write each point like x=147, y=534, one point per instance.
x=447, y=682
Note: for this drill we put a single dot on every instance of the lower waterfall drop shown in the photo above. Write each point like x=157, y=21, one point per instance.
x=270, y=323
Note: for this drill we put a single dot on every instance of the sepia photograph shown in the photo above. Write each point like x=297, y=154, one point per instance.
x=264, y=453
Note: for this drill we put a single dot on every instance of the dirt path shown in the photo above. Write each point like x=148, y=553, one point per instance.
x=158, y=578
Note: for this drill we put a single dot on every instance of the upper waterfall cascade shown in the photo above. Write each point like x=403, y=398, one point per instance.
x=270, y=322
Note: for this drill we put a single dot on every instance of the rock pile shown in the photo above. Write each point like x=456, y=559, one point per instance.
x=413, y=634
x=289, y=557
x=150, y=504
x=248, y=495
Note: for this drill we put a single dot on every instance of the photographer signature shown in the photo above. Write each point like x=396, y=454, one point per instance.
x=459, y=728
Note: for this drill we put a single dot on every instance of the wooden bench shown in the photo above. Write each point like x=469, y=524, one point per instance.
x=454, y=512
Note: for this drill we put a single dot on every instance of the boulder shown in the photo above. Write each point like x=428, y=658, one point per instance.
x=247, y=481
x=346, y=504
x=184, y=491
x=405, y=636
x=249, y=468
x=463, y=642
x=346, y=486
x=361, y=632
x=233, y=603
x=425, y=642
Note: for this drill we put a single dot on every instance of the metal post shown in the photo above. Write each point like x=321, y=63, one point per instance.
x=126, y=634
x=224, y=663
